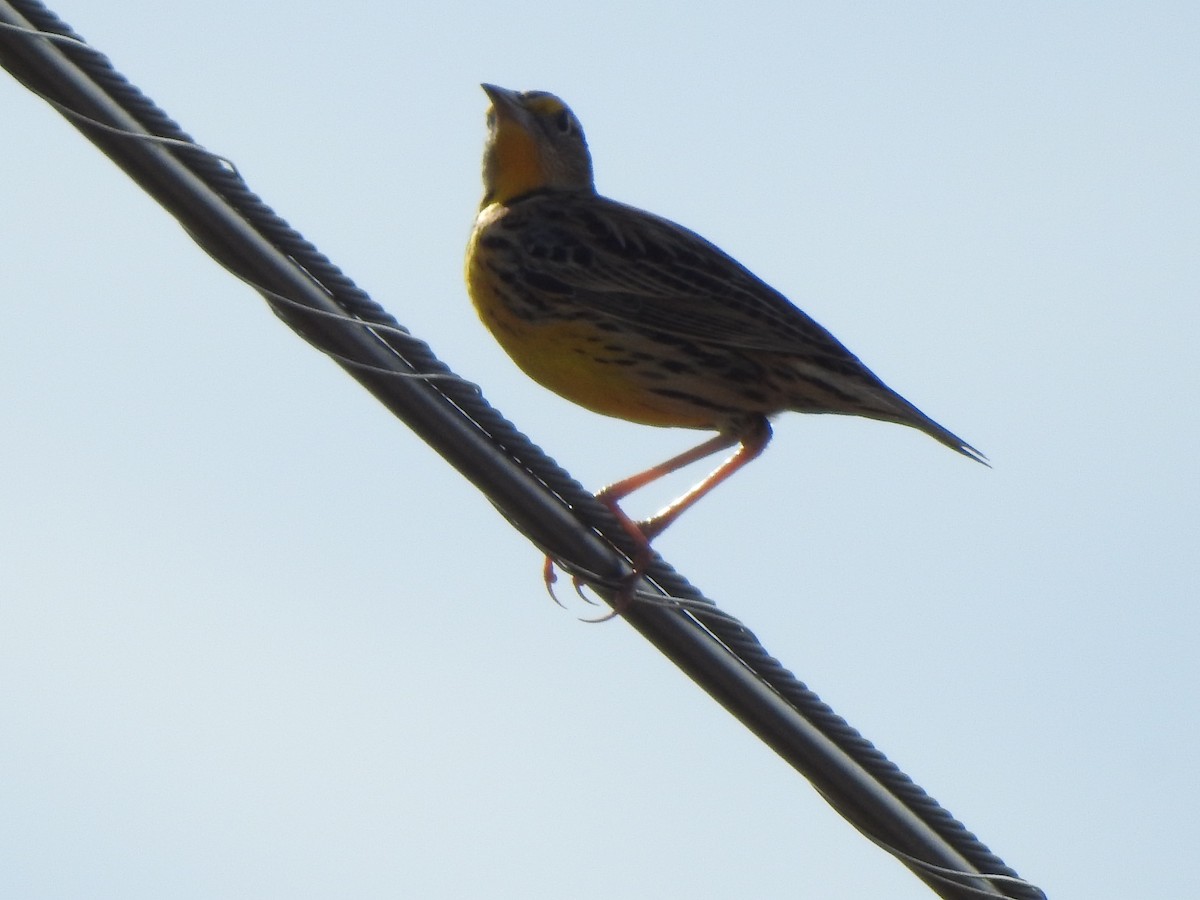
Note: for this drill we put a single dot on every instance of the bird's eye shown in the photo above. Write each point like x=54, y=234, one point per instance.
x=562, y=121
x=491, y=119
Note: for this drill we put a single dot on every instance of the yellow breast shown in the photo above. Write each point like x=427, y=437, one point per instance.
x=599, y=369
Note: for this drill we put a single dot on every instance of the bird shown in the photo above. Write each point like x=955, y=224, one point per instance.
x=631, y=315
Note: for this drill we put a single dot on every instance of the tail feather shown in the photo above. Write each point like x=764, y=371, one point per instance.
x=907, y=414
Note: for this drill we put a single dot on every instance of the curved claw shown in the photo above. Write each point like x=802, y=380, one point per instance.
x=641, y=533
x=607, y=617
x=624, y=598
x=550, y=578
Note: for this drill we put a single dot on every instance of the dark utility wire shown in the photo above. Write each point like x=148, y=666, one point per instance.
x=208, y=197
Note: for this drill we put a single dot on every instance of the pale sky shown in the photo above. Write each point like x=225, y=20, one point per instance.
x=256, y=640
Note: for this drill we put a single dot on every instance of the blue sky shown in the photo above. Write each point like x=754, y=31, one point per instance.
x=257, y=640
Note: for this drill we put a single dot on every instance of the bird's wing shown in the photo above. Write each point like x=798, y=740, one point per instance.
x=632, y=266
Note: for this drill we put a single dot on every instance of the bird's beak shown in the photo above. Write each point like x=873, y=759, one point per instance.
x=506, y=103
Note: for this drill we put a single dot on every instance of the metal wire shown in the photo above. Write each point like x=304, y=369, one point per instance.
x=208, y=196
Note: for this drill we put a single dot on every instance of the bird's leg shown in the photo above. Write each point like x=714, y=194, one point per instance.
x=751, y=441
x=751, y=444
x=644, y=532
x=618, y=490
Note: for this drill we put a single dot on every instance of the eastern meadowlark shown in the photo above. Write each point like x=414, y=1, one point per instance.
x=634, y=316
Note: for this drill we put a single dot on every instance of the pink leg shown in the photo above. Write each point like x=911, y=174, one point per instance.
x=751, y=443
x=618, y=490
